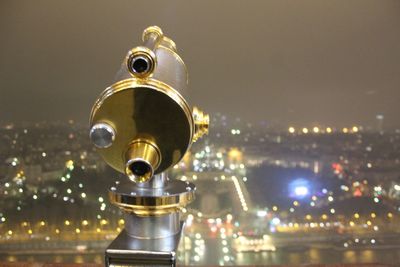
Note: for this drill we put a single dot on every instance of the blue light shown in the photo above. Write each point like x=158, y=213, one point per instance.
x=299, y=188
x=301, y=191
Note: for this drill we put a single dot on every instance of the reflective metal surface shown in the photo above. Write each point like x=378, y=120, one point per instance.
x=142, y=125
x=152, y=201
x=102, y=135
x=145, y=109
x=157, y=181
x=142, y=158
x=147, y=227
x=149, y=101
x=126, y=250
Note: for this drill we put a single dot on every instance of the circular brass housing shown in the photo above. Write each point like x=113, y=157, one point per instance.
x=144, y=109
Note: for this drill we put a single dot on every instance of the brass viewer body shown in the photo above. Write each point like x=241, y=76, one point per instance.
x=146, y=108
x=141, y=126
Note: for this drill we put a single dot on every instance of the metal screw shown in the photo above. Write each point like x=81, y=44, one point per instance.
x=102, y=135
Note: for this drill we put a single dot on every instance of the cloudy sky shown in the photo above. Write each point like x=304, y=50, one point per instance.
x=292, y=62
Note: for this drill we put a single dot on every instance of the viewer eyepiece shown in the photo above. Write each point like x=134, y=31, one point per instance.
x=140, y=168
x=140, y=64
x=142, y=160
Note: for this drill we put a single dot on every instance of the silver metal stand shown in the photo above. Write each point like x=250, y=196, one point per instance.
x=127, y=250
x=149, y=239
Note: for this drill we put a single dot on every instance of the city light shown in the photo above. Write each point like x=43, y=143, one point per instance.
x=276, y=221
x=240, y=193
x=261, y=213
x=303, y=192
x=344, y=188
x=235, y=131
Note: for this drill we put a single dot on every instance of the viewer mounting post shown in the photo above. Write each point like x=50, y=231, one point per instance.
x=142, y=125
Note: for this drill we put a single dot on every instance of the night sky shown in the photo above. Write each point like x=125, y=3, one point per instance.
x=301, y=63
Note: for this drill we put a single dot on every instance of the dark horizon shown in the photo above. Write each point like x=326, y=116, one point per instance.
x=293, y=63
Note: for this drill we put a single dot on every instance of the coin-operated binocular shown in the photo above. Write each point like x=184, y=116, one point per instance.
x=142, y=125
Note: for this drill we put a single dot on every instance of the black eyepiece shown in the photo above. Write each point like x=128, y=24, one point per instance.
x=140, y=168
x=140, y=65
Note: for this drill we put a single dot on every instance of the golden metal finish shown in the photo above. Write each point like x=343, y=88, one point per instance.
x=152, y=32
x=142, y=210
x=144, y=54
x=142, y=158
x=168, y=43
x=176, y=195
x=153, y=126
x=138, y=108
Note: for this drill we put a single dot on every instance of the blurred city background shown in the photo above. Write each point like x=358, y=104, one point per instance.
x=302, y=163
x=264, y=195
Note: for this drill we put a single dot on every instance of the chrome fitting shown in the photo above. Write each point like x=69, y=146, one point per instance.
x=102, y=135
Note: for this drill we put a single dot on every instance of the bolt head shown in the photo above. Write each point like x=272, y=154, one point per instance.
x=102, y=135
